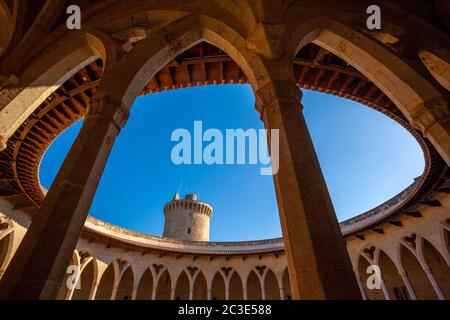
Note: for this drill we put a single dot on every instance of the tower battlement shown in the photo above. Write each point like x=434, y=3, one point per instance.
x=187, y=219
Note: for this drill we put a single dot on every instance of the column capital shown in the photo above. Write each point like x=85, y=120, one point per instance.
x=431, y=113
x=432, y=118
x=277, y=90
x=110, y=108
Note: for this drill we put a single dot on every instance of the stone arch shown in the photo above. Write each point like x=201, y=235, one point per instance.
x=438, y=267
x=287, y=285
x=153, y=53
x=49, y=71
x=182, y=287
x=392, y=279
x=126, y=285
x=416, y=275
x=106, y=284
x=218, y=287
x=145, y=287
x=363, y=265
x=271, y=286
x=420, y=101
x=235, y=287
x=6, y=242
x=164, y=287
x=200, y=290
x=87, y=279
x=254, y=291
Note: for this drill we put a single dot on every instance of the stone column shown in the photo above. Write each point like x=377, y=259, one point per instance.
x=318, y=261
x=263, y=289
x=38, y=267
x=72, y=291
x=361, y=288
x=227, y=288
x=155, y=284
x=434, y=283
x=101, y=268
x=93, y=291
x=114, y=291
x=281, y=288
x=408, y=285
x=134, y=293
x=385, y=289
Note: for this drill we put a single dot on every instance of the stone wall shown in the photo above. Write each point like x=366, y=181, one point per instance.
x=413, y=260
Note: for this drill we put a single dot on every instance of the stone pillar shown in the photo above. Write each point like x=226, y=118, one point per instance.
x=72, y=291
x=38, y=267
x=101, y=268
x=434, y=283
x=155, y=284
x=361, y=288
x=93, y=291
x=408, y=286
x=134, y=293
x=227, y=289
x=281, y=292
x=385, y=289
x=318, y=261
x=244, y=291
x=263, y=289
x=114, y=291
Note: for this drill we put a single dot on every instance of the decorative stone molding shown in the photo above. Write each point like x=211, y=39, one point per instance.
x=192, y=270
x=84, y=256
x=369, y=252
x=277, y=90
x=157, y=268
x=7, y=95
x=110, y=108
x=260, y=269
x=226, y=271
x=122, y=264
x=381, y=212
x=411, y=240
x=433, y=111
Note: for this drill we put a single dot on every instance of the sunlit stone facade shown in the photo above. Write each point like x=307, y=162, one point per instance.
x=117, y=263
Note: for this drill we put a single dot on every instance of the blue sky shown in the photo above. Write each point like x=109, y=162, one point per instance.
x=366, y=158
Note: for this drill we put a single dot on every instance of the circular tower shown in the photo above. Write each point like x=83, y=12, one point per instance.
x=187, y=219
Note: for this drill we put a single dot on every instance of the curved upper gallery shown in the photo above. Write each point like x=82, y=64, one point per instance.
x=352, y=141
x=314, y=68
